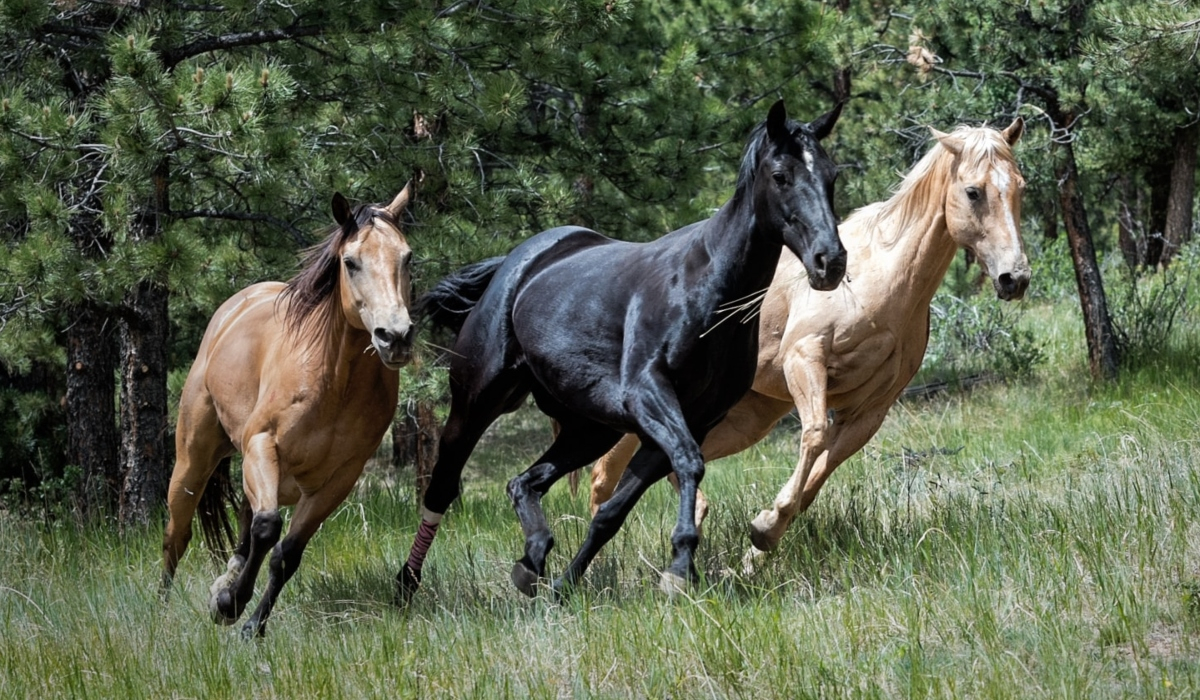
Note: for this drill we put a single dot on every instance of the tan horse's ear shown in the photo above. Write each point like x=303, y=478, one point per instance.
x=1013, y=133
x=953, y=144
x=341, y=209
x=400, y=201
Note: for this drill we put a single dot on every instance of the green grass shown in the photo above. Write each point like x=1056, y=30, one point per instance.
x=1033, y=539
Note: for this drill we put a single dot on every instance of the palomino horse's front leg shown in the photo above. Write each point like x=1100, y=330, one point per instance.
x=230, y=593
x=576, y=445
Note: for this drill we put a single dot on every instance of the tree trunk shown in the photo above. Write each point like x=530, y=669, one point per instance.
x=144, y=453
x=1129, y=239
x=91, y=410
x=144, y=330
x=1178, y=227
x=415, y=436
x=1158, y=177
x=1103, y=355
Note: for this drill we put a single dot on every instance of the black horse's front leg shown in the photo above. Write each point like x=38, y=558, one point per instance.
x=577, y=444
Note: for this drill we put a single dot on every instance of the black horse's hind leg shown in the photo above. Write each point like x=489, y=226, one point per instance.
x=230, y=597
x=469, y=417
x=577, y=444
x=648, y=466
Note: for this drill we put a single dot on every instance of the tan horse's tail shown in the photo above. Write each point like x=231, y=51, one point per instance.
x=219, y=494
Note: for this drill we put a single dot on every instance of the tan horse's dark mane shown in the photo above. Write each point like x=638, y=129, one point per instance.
x=312, y=298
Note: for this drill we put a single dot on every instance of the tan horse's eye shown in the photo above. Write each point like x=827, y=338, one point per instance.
x=351, y=264
x=973, y=194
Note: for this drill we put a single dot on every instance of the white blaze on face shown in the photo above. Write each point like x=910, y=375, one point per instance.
x=1002, y=181
x=808, y=160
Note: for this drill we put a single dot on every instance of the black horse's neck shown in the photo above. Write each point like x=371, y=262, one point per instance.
x=742, y=249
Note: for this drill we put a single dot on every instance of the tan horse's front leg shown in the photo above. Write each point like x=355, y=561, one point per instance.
x=232, y=591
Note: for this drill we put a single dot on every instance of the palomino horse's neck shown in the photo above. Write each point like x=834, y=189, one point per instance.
x=911, y=245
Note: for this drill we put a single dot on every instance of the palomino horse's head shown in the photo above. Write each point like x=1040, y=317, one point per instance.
x=376, y=278
x=793, y=190
x=983, y=203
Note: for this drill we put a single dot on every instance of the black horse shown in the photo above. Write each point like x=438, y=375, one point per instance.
x=613, y=337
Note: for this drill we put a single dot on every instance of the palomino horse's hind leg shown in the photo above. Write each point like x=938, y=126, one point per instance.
x=230, y=593
x=576, y=445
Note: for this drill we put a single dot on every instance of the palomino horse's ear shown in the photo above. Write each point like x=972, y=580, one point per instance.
x=823, y=125
x=777, y=122
x=341, y=208
x=400, y=201
x=953, y=144
x=1013, y=133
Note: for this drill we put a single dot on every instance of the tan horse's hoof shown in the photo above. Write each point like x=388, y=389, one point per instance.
x=752, y=559
x=221, y=606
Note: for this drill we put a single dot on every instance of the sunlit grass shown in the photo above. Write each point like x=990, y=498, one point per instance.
x=1039, y=538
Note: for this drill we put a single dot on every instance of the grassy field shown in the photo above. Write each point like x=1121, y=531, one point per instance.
x=1038, y=538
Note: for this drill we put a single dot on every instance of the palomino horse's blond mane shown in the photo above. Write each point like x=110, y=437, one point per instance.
x=925, y=183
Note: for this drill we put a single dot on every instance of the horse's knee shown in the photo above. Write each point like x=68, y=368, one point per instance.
x=266, y=527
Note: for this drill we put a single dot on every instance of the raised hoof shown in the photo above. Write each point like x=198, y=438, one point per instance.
x=525, y=578
x=222, y=608
x=672, y=584
x=761, y=535
x=407, y=583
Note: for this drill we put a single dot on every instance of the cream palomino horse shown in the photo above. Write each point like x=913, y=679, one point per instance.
x=843, y=357
x=301, y=379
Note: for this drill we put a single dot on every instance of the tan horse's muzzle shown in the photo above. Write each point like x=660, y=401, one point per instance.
x=394, y=344
x=1011, y=286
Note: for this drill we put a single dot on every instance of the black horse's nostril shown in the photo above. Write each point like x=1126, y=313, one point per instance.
x=821, y=263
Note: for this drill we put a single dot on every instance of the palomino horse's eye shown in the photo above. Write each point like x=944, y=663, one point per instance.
x=973, y=194
x=351, y=265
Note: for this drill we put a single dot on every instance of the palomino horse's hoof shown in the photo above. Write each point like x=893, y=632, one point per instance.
x=761, y=531
x=525, y=578
x=752, y=559
x=407, y=583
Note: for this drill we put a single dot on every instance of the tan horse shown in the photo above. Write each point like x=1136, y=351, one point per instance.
x=301, y=379
x=843, y=357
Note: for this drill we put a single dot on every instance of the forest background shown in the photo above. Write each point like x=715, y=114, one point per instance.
x=155, y=157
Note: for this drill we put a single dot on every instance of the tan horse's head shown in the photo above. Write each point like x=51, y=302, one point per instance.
x=983, y=203
x=375, y=283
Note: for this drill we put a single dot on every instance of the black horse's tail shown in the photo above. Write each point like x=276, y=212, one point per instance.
x=213, y=510
x=449, y=302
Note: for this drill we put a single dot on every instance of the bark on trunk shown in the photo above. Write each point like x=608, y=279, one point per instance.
x=144, y=450
x=1129, y=239
x=144, y=330
x=1178, y=227
x=1159, y=179
x=1103, y=355
x=415, y=436
x=91, y=412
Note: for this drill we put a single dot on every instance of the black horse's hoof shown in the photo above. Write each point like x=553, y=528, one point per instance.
x=525, y=578
x=407, y=583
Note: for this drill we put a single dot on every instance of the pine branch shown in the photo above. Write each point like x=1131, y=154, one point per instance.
x=173, y=57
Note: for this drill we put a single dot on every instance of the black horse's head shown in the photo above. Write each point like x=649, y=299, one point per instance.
x=793, y=191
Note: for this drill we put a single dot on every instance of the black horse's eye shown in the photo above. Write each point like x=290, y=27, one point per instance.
x=351, y=265
x=973, y=194
x=780, y=178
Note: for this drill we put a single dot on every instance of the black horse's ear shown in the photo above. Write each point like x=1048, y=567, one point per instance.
x=777, y=122
x=341, y=209
x=822, y=125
